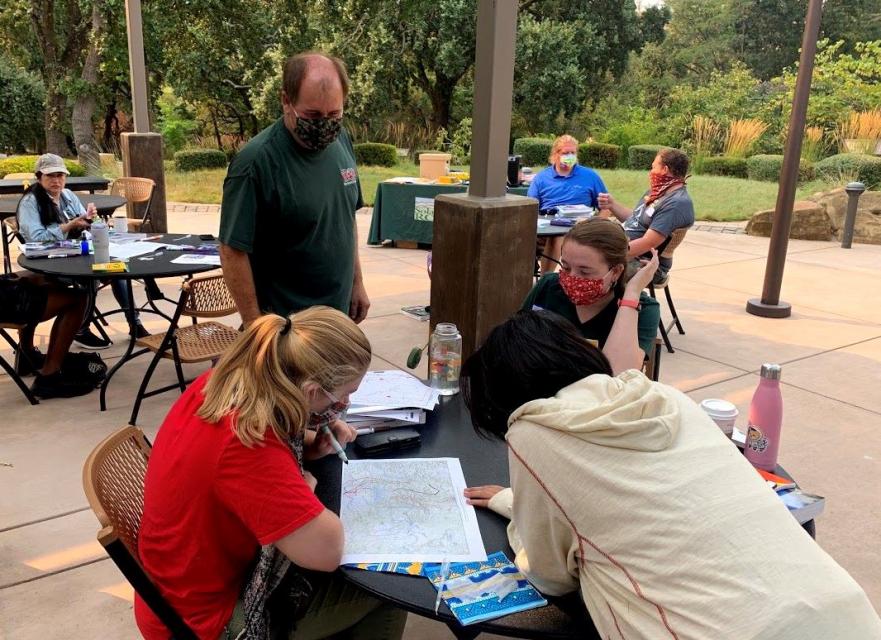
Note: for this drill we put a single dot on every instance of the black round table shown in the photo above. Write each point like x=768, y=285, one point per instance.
x=448, y=433
x=551, y=230
x=105, y=205
x=82, y=183
x=153, y=265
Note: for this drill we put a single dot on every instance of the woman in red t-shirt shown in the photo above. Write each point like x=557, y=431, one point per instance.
x=232, y=532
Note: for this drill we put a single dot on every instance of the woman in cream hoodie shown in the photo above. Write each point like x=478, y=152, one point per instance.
x=623, y=488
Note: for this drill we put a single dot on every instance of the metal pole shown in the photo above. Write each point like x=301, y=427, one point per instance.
x=137, y=71
x=493, y=89
x=770, y=305
x=854, y=191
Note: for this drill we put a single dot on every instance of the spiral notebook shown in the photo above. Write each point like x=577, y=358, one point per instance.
x=480, y=591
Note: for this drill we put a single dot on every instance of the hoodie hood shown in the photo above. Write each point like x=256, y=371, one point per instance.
x=628, y=411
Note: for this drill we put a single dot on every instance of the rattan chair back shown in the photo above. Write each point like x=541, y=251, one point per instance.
x=208, y=297
x=676, y=239
x=113, y=479
x=133, y=189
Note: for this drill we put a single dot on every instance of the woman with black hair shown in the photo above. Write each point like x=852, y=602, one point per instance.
x=47, y=212
x=625, y=490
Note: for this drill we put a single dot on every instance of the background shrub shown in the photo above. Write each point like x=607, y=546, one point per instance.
x=21, y=107
x=640, y=156
x=534, y=151
x=844, y=167
x=767, y=167
x=722, y=166
x=599, y=155
x=194, y=159
x=24, y=164
x=376, y=154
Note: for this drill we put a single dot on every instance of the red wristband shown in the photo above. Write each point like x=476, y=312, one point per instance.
x=633, y=304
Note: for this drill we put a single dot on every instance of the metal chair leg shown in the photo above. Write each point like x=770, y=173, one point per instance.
x=673, y=310
x=143, y=388
x=18, y=381
x=665, y=337
x=178, y=367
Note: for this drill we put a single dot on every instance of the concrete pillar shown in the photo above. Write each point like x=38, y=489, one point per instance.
x=483, y=260
x=137, y=69
x=484, y=242
x=142, y=158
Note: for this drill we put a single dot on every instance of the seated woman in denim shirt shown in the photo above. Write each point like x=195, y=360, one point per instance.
x=49, y=213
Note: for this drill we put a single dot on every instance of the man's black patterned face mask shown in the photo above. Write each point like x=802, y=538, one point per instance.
x=317, y=133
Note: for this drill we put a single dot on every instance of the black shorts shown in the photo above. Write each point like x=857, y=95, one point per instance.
x=21, y=301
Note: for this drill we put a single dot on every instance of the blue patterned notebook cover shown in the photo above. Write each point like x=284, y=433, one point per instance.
x=404, y=568
x=472, y=589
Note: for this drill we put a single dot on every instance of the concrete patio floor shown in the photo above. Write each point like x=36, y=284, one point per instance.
x=56, y=582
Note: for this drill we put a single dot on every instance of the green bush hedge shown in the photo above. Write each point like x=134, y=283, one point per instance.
x=25, y=164
x=767, y=168
x=376, y=154
x=640, y=156
x=599, y=155
x=844, y=167
x=534, y=152
x=722, y=166
x=194, y=159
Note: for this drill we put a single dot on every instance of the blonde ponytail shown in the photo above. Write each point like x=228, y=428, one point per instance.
x=259, y=381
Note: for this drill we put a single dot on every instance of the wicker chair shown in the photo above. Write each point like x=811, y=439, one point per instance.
x=675, y=240
x=11, y=370
x=136, y=191
x=9, y=232
x=206, y=297
x=113, y=480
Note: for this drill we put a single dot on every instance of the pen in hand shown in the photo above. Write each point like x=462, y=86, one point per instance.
x=341, y=454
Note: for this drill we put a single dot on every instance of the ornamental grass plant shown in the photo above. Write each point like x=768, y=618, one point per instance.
x=861, y=132
x=742, y=136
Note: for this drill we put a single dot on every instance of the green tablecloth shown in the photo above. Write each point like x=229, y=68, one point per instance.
x=406, y=211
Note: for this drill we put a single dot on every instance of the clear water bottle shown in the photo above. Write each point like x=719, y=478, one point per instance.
x=445, y=359
x=765, y=420
x=101, y=242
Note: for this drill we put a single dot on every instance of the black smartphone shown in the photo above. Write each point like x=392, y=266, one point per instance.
x=385, y=441
x=206, y=236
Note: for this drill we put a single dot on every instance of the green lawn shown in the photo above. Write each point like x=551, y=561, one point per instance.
x=715, y=198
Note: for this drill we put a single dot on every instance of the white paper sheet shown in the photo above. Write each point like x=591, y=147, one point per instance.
x=194, y=258
x=414, y=416
x=133, y=249
x=382, y=390
x=408, y=510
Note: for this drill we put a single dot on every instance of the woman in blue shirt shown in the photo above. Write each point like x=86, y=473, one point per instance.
x=48, y=212
x=564, y=182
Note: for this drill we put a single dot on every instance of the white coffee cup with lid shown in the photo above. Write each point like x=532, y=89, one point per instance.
x=722, y=412
x=120, y=223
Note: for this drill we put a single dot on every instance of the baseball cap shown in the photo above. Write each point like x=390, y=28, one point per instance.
x=50, y=163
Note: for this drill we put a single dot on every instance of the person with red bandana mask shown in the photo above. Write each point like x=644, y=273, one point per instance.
x=663, y=209
x=592, y=290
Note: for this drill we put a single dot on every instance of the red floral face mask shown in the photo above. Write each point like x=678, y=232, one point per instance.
x=659, y=183
x=583, y=291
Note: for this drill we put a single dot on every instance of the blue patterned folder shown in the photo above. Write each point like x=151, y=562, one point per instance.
x=479, y=591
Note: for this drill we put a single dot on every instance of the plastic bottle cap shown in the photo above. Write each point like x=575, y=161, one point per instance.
x=770, y=371
x=717, y=408
x=446, y=329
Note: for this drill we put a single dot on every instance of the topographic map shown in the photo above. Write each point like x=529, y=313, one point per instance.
x=407, y=510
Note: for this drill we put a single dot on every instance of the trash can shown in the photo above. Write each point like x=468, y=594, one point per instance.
x=514, y=171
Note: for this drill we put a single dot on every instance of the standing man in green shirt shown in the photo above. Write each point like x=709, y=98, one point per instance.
x=287, y=222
